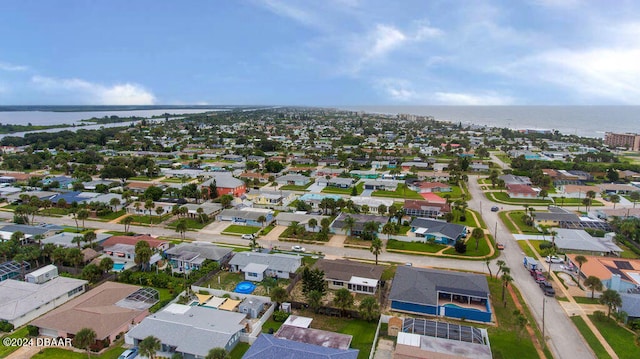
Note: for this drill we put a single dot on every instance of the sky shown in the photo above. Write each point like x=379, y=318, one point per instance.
x=319, y=53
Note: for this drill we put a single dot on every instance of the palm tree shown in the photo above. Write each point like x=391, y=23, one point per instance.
x=313, y=223
x=115, y=202
x=278, y=295
x=89, y=237
x=614, y=198
x=349, y=222
x=181, y=227
x=611, y=299
x=343, y=299
x=501, y=265
x=149, y=346
x=592, y=282
x=477, y=233
x=488, y=264
x=106, y=264
x=77, y=240
x=314, y=300
x=148, y=205
x=82, y=215
x=376, y=248
x=506, y=279
x=84, y=338
x=370, y=228
x=127, y=222
x=262, y=220
x=388, y=229
x=581, y=260
x=369, y=308
x=217, y=353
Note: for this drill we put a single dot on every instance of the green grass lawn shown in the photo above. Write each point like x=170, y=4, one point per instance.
x=57, y=353
x=363, y=332
x=6, y=350
x=589, y=337
x=53, y=211
x=398, y=193
x=336, y=190
x=389, y=272
x=239, y=350
x=113, y=215
x=235, y=229
x=271, y=324
x=267, y=229
x=479, y=218
x=291, y=187
x=577, y=202
x=525, y=248
x=504, y=197
x=415, y=246
x=142, y=178
x=192, y=224
x=505, y=219
x=621, y=340
x=468, y=219
x=176, y=180
x=483, y=248
x=508, y=340
x=144, y=219
x=456, y=192
x=587, y=300
x=516, y=216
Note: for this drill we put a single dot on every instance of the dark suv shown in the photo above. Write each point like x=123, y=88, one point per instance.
x=547, y=288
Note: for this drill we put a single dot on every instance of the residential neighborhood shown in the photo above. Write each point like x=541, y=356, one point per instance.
x=337, y=233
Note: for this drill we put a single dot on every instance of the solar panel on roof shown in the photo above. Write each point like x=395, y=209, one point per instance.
x=623, y=265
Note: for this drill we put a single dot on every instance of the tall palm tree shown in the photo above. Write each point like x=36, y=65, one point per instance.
x=126, y=221
x=376, y=248
x=82, y=215
x=611, y=299
x=506, y=279
x=149, y=346
x=262, y=220
x=592, y=282
x=89, y=237
x=349, y=222
x=581, y=260
x=148, y=205
x=181, y=227
x=313, y=223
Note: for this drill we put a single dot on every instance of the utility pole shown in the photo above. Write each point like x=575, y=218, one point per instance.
x=544, y=300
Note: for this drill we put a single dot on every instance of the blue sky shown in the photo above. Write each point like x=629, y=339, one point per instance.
x=322, y=53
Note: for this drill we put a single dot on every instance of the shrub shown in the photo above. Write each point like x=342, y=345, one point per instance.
x=33, y=330
x=460, y=246
x=5, y=326
x=545, y=245
x=280, y=316
x=599, y=316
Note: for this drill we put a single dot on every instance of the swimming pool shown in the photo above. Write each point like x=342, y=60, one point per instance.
x=118, y=266
x=451, y=305
x=245, y=287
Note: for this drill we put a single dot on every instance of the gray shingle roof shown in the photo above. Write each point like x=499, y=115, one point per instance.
x=195, y=331
x=451, y=230
x=277, y=261
x=208, y=251
x=269, y=347
x=421, y=285
x=345, y=269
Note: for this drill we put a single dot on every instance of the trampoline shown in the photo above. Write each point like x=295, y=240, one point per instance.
x=245, y=287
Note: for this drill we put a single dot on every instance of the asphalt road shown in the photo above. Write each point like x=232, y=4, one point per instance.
x=562, y=336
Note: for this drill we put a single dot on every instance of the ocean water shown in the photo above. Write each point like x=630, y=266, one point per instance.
x=586, y=121
x=59, y=118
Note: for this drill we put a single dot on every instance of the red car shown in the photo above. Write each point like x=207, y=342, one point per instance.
x=500, y=246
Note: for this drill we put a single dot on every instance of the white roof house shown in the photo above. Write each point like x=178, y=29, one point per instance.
x=190, y=330
x=21, y=302
x=279, y=264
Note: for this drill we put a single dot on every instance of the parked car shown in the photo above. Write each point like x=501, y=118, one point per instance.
x=553, y=259
x=495, y=209
x=539, y=278
x=500, y=246
x=129, y=353
x=547, y=288
x=248, y=236
x=297, y=249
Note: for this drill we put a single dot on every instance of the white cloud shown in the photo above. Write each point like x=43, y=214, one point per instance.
x=383, y=40
x=92, y=93
x=397, y=89
x=4, y=66
x=468, y=99
x=425, y=31
x=285, y=10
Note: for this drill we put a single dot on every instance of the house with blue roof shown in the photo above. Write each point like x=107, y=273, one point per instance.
x=64, y=182
x=268, y=346
x=438, y=231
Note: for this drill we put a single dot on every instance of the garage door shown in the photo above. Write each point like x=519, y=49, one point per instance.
x=49, y=332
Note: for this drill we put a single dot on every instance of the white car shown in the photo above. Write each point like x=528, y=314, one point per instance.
x=553, y=259
x=297, y=249
x=248, y=236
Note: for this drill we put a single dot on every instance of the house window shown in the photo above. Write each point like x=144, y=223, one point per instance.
x=252, y=274
x=338, y=283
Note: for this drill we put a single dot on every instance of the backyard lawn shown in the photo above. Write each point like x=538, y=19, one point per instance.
x=362, y=331
x=239, y=350
x=229, y=280
x=237, y=230
x=414, y=246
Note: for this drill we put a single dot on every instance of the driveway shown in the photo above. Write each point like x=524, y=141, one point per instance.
x=315, y=188
x=366, y=193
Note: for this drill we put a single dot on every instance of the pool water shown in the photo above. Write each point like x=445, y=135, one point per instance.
x=451, y=305
x=118, y=266
x=245, y=287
